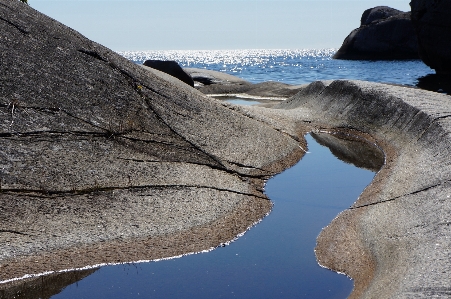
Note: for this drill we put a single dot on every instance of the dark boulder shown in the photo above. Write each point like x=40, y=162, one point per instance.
x=384, y=34
x=432, y=23
x=171, y=68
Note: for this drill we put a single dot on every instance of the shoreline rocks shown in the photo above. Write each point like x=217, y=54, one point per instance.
x=220, y=84
x=100, y=156
x=171, y=68
x=433, y=29
x=394, y=241
x=104, y=161
x=384, y=34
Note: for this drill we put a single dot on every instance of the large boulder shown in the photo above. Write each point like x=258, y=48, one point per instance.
x=104, y=161
x=171, y=68
x=432, y=23
x=384, y=34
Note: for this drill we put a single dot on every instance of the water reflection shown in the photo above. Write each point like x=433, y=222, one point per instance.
x=275, y=259
x=42, y=287
x=435, y=82
x=352, y=149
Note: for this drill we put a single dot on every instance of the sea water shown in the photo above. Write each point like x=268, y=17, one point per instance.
x=275, y=259
x=293, y=66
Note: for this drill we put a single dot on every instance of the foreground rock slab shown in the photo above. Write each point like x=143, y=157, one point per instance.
x=104, y=161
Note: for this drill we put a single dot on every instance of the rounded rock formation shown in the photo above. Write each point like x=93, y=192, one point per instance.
x=432, y=24
x=384, y=34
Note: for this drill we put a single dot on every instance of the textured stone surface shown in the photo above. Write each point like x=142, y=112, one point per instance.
x=384, y=34
x=96, y=151
x=395, y=240
x=433, y=28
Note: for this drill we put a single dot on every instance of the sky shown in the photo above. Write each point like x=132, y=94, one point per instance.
x=140, y=25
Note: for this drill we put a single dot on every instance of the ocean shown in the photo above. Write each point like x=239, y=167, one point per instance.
x=296, y=66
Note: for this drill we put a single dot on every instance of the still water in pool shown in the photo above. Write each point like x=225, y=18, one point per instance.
x=274, y=259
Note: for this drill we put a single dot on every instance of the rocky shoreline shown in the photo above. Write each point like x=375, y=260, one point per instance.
x=105, y=161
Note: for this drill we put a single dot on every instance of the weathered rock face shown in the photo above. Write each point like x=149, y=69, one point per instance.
x=432, y=22
x=171, y=68
x=394, y=241
x=384, y=34
x=96, y=151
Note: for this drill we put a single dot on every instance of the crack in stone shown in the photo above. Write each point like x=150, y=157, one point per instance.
x=431, y=124
x=106, y=135
x=201, y=164
x=398, y=197
x=18, y=27
x=49, y=193
x=13, y=232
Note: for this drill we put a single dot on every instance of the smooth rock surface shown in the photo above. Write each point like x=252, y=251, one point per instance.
x=217, y=83
x=384, y=34
x=104, y=161
x=395, y=240
x=433, y=28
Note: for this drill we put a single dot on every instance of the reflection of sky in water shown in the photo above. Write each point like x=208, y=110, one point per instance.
x=244, y=102
x=275, y=259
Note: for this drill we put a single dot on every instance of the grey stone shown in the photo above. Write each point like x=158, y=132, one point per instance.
x=384, y=34
x=100, y=156
x=171, y=68
x=217, y=83
x=433, y=28
x=395, y=240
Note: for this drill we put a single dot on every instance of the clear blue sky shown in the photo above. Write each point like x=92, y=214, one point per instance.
x=212, y=24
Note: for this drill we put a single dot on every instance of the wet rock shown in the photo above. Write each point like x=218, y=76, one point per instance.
x=433, y=28
x=384, y=34
x=171, y=68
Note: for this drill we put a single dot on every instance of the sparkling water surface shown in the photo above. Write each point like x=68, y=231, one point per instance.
x=275, y=259
x=291, y=66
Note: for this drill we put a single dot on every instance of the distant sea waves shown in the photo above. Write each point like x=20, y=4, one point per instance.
x=291, y=66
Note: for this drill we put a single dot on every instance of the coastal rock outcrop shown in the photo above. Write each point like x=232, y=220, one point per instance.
x=384, y=34
x=432, y=22
x=171, y=68
x=394, y=241
x=217, y=83
x=103, y=161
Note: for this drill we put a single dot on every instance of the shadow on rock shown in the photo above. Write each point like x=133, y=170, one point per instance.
x=352, y=149
x=435, y=82
x=42, y=287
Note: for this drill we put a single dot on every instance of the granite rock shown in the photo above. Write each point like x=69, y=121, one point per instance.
x=104, y=161
x=384, y=34
x=433, y=28
x=171, y=68
x=394, y=241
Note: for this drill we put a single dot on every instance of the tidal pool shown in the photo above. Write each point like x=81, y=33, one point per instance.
x=274, y=259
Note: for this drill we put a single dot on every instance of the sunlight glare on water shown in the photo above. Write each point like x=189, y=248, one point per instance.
x=290, y=66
